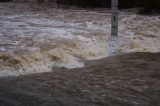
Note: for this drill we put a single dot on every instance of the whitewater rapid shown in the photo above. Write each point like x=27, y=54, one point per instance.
x=35, y=39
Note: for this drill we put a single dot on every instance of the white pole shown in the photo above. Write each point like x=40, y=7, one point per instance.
x=114, y=29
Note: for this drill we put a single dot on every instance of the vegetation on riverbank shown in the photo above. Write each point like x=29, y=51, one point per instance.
x=147, y=6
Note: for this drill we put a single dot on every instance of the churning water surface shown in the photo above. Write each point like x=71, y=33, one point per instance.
x=35, y=39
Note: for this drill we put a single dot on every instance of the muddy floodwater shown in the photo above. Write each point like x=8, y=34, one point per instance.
x=34, y=38
x=127, y=80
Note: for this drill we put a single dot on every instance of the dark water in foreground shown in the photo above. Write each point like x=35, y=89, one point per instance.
x=126, y=80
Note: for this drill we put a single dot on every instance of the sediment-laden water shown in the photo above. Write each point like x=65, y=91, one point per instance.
x=37, y=39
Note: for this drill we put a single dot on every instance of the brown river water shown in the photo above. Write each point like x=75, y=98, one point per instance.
x=35, y=39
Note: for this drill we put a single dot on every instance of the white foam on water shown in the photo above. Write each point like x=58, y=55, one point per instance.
x=35, y=42
x=2, y=49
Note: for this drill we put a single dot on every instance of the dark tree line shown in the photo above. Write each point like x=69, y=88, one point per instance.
x=5, y=0
x=150, y=5
x=146, y=6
